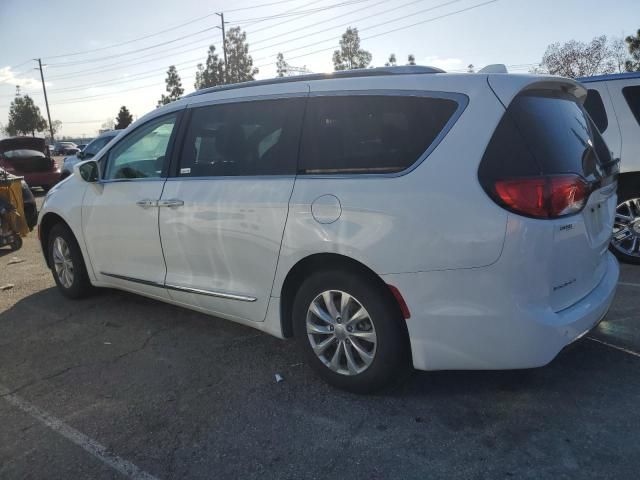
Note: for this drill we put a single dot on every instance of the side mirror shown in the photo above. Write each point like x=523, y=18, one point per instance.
x=80, y=155
x=88, y=171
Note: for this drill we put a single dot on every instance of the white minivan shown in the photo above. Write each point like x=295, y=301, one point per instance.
x=613, y=101
x=383, y=217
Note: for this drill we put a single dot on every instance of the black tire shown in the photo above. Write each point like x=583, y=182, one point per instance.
x=391, y=360
x=623, y=196
x=17, y=244
x=80, y=287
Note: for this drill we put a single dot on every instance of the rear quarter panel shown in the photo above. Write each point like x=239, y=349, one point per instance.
x=435, y=217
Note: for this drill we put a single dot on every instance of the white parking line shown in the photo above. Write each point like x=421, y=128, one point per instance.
x=627, y=284
x=89, y=445
x=616, y=347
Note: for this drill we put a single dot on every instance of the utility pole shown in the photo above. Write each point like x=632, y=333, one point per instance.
x=224, y=44
x=46, y=101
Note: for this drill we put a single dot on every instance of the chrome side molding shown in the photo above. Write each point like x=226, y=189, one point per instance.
x=230, y=296
x=179, y=288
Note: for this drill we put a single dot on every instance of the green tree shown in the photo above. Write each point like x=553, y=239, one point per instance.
x=239, y=66
x=174, y=87
x=471, y=68
x=281, y=66
x=633, y=42
x=212, y=73
x=392, y=62
x=411, y=59
x=25, y=117
x=350, y=56
x=124, y=118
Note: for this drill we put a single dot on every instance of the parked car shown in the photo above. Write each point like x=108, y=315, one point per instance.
x=613, y=101
x=88, y=152
x=29, y=201
x=383, y=217
x=29, y=157
x=65, y=148
x=81, y=146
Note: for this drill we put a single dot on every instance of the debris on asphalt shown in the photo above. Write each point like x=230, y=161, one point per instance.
x=279, y=378
x=107, y=343
x=15, y=260
x=8, y=286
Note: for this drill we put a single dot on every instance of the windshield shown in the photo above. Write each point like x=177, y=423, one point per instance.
x=95, y=146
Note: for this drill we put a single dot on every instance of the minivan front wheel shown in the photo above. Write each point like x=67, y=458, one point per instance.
x=625, y=242
x=67, y=264
x=349, y=330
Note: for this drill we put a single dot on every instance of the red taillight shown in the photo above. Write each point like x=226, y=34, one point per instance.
x=544, y=197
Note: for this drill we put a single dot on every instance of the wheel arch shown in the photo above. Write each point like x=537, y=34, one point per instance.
x=330, y=261
x=49, y=220
x=629, y=183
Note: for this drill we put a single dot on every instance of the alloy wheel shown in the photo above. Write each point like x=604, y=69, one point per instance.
x=341, y=332
x=62, y=262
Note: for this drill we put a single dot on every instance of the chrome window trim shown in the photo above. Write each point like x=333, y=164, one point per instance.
x=179, y=288
x=460, y=98
x=243, y=99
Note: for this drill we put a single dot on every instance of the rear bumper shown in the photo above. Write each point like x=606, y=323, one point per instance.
x=39, y=179
x=470, y=320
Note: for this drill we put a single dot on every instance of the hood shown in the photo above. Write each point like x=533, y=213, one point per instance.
x=24, y=143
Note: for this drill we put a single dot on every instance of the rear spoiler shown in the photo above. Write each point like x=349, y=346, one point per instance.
x=506, y=87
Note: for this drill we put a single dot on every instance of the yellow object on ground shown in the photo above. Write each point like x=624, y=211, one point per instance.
x=11, y=191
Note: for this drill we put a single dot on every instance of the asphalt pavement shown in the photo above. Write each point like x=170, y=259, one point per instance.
x=120, y=386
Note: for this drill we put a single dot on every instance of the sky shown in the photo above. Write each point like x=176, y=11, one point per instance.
x=99, y=56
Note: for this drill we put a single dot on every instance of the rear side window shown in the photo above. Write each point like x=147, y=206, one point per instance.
x=595, y=108
x=370, y=133
x=545, y=133
x=632, y=95
x=241, y=139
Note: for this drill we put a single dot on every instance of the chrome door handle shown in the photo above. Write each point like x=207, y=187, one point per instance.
x=173, y=202
x=146, y=203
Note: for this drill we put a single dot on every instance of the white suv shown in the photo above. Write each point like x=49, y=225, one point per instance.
x=383, y=217
x=613, y=101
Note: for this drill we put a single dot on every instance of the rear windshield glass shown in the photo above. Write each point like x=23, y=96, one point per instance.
x=560, y=136
x=369, y=133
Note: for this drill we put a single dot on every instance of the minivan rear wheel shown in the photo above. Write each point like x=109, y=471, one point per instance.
x=625, y=242
x=349, y=330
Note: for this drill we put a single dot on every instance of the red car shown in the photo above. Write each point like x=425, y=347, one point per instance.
x=29, y=157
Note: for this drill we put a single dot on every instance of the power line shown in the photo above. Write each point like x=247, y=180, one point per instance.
x=298, y=13
x=128, y=62
x=309, y=34
x=313, y=44
x=117, y=55
x=259, y=6
x=387, y=32
x=286, y=21
x=21, y=64
x=132, y=40
x=168, y=29
x=111, y=94
x=307, y=26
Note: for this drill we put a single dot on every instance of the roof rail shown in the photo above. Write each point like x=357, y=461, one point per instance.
x=610, y=76
x=363, y=72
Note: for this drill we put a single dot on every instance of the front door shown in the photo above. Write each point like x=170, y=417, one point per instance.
x=223, y=215
x=120, y=213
